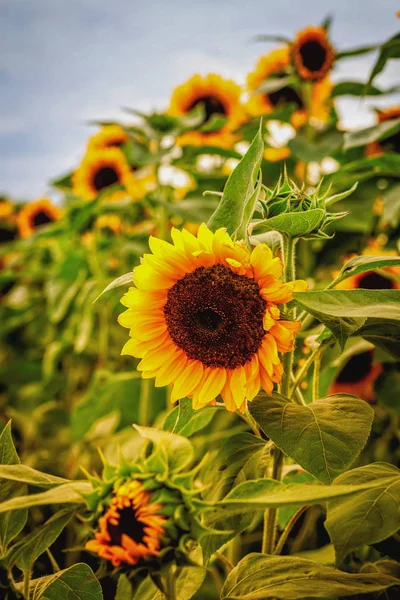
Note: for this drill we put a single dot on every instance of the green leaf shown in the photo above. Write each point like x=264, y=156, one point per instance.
x=107, y=392
x=391, y=49
x=391, y=208
x=26, y=474
x=274, y=84
x=357, y=88
x=324, y=437
x=179, y=450
x=369, y=516
x=345, y=312
x=362, y=137
x=234, y=207
x=28, y=550
x=124, y=588
x=189, y=421
x=355, y=52
x=11, y=524
x=387, y=390
x=295, y=224
x=123, y=280
x=76, y=583
x=269, y=493
x=363, y=264
x=67, y=493
x=64, y=182
x=259, y=576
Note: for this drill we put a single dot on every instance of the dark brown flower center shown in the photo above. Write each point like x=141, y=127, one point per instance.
x=104, y=177
x=313, y=55
x=41, y=218
x=7, y=235
x=374, y=281
x=127, y=524
x=216, y=316
x=356, y=368
x=286, y=95
x=212, y=106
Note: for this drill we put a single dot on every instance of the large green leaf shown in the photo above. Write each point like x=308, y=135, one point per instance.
x=76, y=583
x=183, y=420
x=67, y=493
x=345, y=312
x=357, y=88
x=179, y=450
x=238, y=199
x=10, y=523
x=388, y=50
x=368, y=516
x=362, y=137
x=269, y=493
x=260, y=576
x=26, y=474
x=327, y=145
x=362, y=264
x=25, y=552
x=324, y=437
x=294, y=224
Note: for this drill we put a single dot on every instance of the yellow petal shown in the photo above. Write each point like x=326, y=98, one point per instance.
x=187, y=380
x=238, y=386
x=210, y=386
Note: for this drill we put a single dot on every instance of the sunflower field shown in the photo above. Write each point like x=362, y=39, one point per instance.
x=200, y=348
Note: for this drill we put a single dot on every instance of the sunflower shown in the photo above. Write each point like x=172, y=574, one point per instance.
x=391, y=143
x=204, y=317
x=110, y=221
x=219, y=97
x=101, y=169
x=358, y=377
x=312, y=53
x=8, y=231
x=274, y=64
x=35, y=214
x=130, y=529
x=276, y=154
x=110, y=136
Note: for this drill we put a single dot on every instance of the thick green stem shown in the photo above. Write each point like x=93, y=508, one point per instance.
x=27, y=579
x=270, y=515
x=315, y=386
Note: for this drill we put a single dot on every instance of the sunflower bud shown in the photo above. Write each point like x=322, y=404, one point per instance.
x=298, y=213
x=143, y=513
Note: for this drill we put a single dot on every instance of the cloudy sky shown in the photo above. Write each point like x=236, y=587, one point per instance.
x=64, y=62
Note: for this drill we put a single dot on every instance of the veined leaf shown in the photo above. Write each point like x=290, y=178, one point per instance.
x=26, y=474
x=362, y=137
x=295, y=224
x=345, y=312
x=259, y=576
x=232, y=211
x=324, y=437
x=76, y=583
x=67, y=493
x=362, y=264
x=368, y=516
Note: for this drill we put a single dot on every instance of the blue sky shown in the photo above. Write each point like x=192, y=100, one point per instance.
x=64, y=62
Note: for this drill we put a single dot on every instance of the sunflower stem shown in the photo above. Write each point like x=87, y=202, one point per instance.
x=271, y=514
x=315, y=385
x=27, y=579
x=170, y=586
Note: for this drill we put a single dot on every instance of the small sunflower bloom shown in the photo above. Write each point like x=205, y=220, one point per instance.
x=312, y=54
x=101, y=169
x=274, y=64
x=35, y=214
x=110, y=136
x=218, y=97
x=131, y=529
x=109, y=221
x=204, y=317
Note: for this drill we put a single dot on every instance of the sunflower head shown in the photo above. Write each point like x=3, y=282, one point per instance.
x=36, y=214
x=8, y=230
x=110, y=136
x=275, y=64
x=312, y=53
x=204, y=317
x=143, y=511
x=219, y=99
x=109, y=222
x=103, y=169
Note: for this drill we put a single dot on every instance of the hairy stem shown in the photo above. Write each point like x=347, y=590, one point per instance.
x=144, y=402
x=286, y=532
x=315, y=385
x=170, y=586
